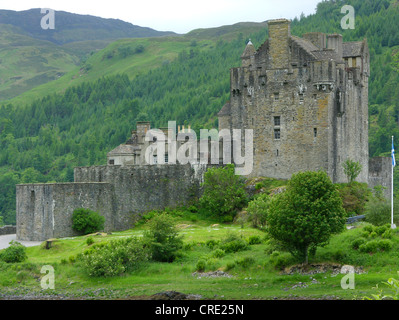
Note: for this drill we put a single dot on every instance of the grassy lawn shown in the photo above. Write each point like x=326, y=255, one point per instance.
x=252, y=273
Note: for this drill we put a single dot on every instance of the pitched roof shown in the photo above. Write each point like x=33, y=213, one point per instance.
x=225, y=110
x=249, y=50
x=124, y=149
x=352, y=49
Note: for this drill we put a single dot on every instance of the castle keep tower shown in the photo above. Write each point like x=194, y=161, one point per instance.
x=306, y=100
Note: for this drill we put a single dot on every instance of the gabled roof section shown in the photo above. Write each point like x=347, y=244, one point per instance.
x=124, y=149
x=226, y=111
x=352, y=49
x=249, y=50
x=305, y=44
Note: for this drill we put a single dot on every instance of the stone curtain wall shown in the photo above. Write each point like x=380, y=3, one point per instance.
x=140, y=189
x=120, y=194
x=44, y=211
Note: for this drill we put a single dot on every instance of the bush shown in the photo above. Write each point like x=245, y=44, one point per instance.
x=115, y=257
x=355, y=244
x=201, y=264
x=218, y=253
x=87, y=221
x=378, y=211
x=354, y=197
x=374, y=246
x=162, y=238
x=89, y=241
x=245, y=262
x=212, y=243
x=233, y=243
x=16, y=252
x=282, y=260
x=254, y=240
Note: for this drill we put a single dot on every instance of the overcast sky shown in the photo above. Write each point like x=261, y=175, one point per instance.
x=180, y=16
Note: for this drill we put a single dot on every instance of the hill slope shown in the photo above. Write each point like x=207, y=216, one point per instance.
x=31, y=56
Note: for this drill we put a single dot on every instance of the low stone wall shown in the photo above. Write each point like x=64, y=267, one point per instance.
x=8, y=230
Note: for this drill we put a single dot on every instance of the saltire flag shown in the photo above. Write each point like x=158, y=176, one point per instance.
x=393, y=155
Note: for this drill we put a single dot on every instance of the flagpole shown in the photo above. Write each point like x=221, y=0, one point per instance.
x=393, y=226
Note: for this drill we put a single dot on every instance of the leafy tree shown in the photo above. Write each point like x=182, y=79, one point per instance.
x=351, y=169
x=162, y=238
x=306, y=214
x=257, y=210
x=223, y=192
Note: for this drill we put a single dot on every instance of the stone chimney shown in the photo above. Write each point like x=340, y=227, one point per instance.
x=279, y=36
x=334, y=41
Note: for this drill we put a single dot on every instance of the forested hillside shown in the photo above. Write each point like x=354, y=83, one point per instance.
x=44, y=140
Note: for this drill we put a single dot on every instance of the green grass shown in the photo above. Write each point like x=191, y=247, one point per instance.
x=254, y=276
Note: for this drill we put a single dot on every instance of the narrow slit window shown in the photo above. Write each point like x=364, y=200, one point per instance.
x=315, y=132
x=277, y=134
x=276, y=96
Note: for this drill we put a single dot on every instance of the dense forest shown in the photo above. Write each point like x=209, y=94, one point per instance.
x=45, y=140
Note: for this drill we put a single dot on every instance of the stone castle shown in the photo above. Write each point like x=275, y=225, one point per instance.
x=306, y=100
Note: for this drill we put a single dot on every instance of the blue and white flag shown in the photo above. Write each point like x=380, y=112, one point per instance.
x=393, y=155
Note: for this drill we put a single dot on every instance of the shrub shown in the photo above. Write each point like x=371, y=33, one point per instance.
x=218, y=253
x=355, y=244
x=245, y=262
x=233, y=243
x=212, y=243
x=354, y=197
x=89, y=241
x=282, y=260
x=162, y=238
x=114, y=257
x=378, y=211
x=201, y=264
x=87, y=221
x=16, y=252
x=254, y=240
x=374, y=246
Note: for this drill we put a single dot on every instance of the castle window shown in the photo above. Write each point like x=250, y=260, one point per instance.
x=111, y=162
x=300, y=97
x=166, y=158
x=277, y=134
x=315, y=96
x=315, y=132
x=276, y=96
x=277, y=153
x=277, y=121
x=155, y=159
